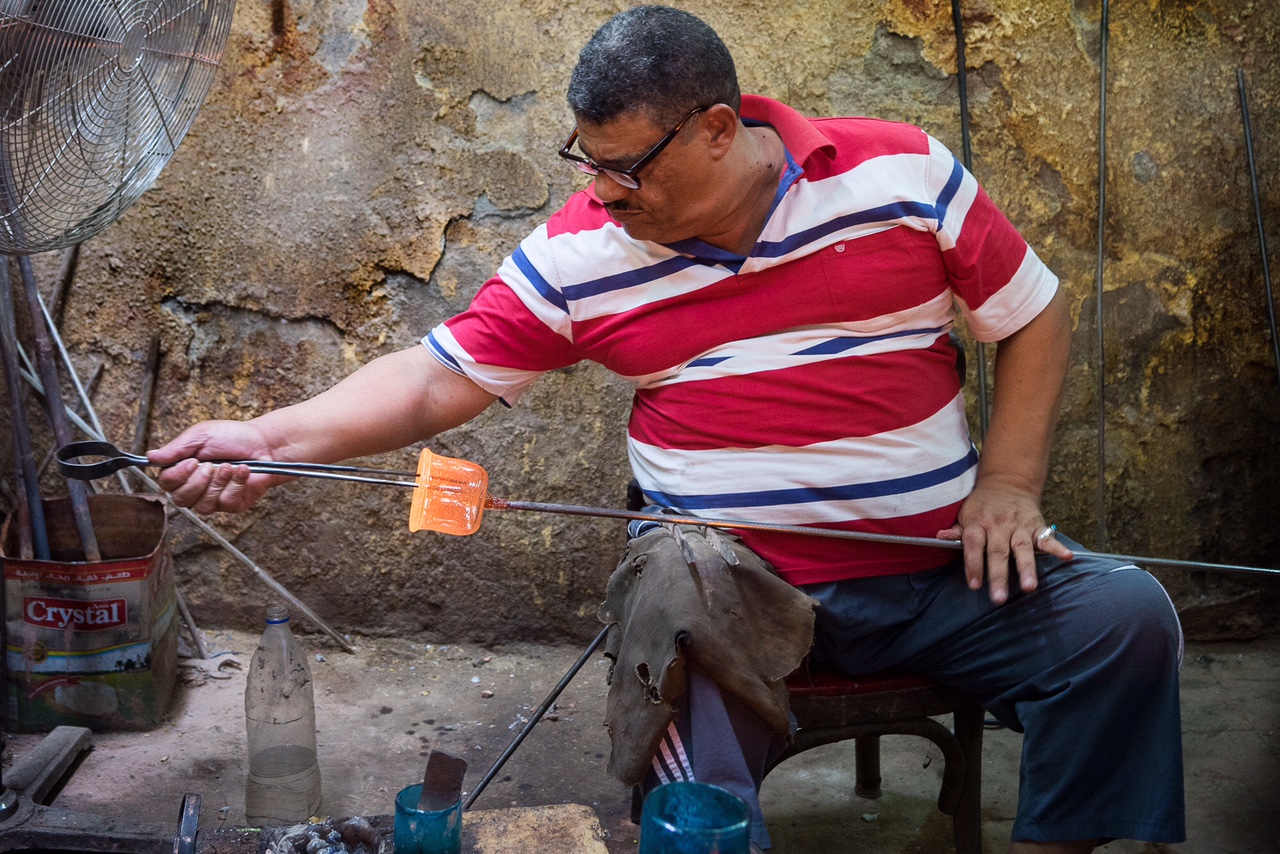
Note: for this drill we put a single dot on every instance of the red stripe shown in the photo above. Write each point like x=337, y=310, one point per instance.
x=582, y=212
x=856, y=280
x=860, y=140
x=989, y=252
x=498, y=329
x=825, y=401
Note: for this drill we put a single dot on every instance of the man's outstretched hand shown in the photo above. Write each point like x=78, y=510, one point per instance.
x=194, y=480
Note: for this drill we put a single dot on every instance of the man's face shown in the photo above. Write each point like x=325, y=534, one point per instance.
x=673, y=201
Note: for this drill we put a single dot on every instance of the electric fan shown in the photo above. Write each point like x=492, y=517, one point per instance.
x=95, y=96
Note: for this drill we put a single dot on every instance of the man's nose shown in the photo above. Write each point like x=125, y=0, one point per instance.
x=609, y=190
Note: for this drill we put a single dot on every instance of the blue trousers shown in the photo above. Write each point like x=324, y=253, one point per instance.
x=1086, y=666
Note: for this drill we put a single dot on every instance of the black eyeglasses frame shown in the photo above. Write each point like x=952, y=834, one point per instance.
x=629, y=178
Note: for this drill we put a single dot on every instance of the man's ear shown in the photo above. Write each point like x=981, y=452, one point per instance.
x=721, y=125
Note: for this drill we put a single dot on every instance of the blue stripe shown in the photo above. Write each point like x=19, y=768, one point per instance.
x=828, y=347
x=628, y=279
x=885, y=213
x=949, y=191
x=810, y=495
x=840, y=345
x=541, y=285
x=443, y=355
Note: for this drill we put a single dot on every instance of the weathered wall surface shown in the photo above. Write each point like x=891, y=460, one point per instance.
x=362, y=166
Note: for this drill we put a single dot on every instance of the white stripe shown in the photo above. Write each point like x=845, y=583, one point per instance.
x=860, y=460
x=874, y=458
x=677, y=772
x=507, y=383
x=659, y=770
x=538, y=250
x=592, y=255
x=942, y=164
x=780, y=351
x=1014, y=305
x=673, y=736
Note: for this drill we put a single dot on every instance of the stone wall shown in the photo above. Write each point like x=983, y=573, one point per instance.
x=361, y=167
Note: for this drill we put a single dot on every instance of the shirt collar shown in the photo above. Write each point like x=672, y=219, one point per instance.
x=799, y=135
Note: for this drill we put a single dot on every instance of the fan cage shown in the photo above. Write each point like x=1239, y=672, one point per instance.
x=95, y=97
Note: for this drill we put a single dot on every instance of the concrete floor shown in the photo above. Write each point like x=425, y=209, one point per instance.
x=382, y=709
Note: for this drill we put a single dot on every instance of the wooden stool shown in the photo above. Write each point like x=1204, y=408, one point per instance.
x=831, y=707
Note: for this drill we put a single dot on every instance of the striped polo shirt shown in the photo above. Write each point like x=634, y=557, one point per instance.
x=808, y=383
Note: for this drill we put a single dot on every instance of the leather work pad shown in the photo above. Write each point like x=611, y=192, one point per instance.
x=695, y=595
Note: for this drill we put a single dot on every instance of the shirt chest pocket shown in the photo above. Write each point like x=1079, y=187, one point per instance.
x=882, y=279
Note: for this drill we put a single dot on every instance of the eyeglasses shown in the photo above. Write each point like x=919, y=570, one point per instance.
x=629, y=178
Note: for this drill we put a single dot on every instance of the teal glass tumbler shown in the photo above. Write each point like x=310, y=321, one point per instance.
x=694, y=818
x=426, y=831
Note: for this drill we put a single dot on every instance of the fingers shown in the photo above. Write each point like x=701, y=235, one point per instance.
x=209, y=487
x=1046, y=541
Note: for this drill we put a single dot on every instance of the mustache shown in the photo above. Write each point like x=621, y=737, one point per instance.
x=620, y=207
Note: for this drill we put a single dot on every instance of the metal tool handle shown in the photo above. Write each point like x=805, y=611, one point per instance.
x=116, y=459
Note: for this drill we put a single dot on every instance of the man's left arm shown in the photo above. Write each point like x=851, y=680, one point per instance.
x=1001, y=517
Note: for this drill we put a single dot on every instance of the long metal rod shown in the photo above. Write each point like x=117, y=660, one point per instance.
x=1257, y=213
x=966, y=153
x=866, y=536
x=25, y=461
x=76, y=492
x=1102, y=218
x=537, y=716
x=82, y=392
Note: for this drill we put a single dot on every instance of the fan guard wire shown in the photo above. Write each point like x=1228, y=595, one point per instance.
x=95, y=97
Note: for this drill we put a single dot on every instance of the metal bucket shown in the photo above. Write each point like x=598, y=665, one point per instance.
x=92, y=644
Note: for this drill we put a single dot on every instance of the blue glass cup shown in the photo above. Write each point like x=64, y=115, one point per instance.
x=694, y=818
x=426, y=831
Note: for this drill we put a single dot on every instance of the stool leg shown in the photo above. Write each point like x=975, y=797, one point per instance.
x=866, y=751
x=968, y=818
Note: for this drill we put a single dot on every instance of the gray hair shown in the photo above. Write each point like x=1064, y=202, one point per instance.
x=660, y=61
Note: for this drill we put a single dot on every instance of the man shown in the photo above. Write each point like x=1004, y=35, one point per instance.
x=780, y=291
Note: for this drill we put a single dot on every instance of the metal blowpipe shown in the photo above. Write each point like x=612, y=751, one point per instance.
x=450, y=496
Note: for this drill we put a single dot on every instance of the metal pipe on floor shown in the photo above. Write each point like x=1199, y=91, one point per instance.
x=1257, y=214
x=1102, y=216
x=537, y=716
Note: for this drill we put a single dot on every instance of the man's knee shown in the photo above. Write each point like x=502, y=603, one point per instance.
x=1144, y=623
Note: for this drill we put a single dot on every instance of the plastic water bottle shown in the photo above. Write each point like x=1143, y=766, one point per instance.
x=280, y=720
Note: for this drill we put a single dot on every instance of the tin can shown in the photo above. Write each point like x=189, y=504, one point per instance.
x=92, y=644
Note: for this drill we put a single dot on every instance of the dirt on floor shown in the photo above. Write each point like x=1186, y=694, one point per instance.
x=381, y=710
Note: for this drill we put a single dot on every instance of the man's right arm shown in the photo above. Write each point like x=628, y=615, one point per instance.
x=394, y=401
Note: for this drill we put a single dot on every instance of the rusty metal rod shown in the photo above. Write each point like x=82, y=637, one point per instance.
x=32, y=528
x=966, y=153
x=146, y=395
x=537, y=716
x=1102, y=218
x=201, y=648
x=62, y=286
x=77, y=492
x=1257, y=213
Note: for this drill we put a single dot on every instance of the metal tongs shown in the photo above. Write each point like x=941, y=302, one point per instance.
x=107, y=459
